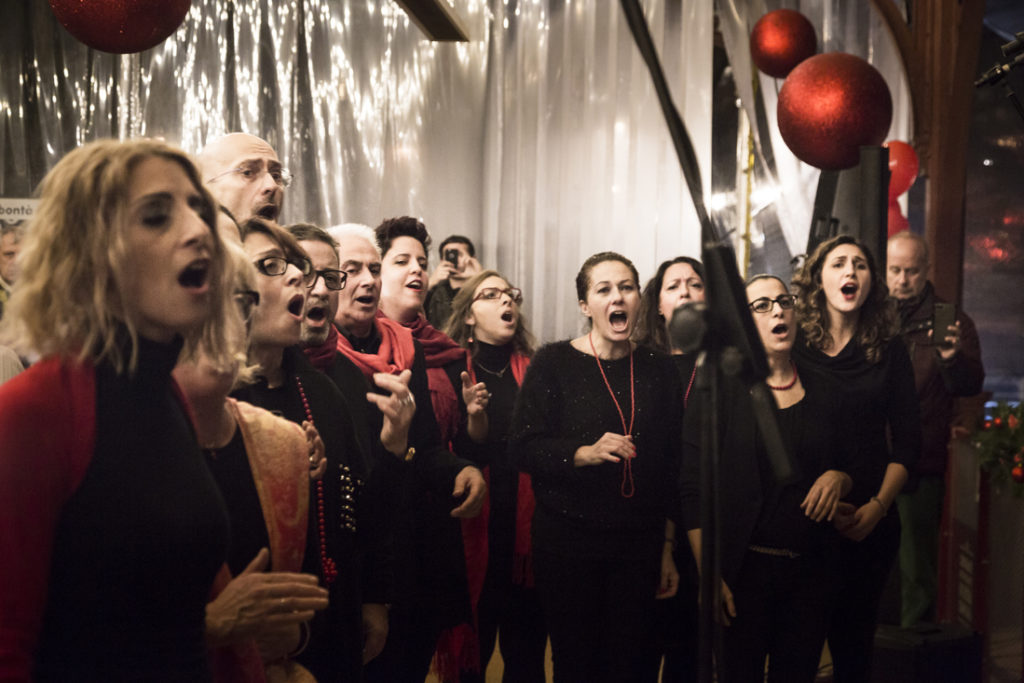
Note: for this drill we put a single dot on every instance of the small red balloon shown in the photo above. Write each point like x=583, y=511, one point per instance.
x=780, y=40
x=121, y=26
x=897, y=221
x=829, y=106
x=903, y=166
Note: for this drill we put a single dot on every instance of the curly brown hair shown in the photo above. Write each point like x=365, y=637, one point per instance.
x=877, y=322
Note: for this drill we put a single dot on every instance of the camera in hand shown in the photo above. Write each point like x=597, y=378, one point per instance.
x=452, y=256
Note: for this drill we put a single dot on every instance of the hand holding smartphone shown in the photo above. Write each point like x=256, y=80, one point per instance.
x=943, y=316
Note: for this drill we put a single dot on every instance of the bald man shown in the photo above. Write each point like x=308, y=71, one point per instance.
x=947, y=365
x=243, y=172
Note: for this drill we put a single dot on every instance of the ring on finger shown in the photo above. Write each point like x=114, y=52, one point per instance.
x=408, y=400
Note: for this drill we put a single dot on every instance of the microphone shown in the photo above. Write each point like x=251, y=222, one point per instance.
x=1014, y=46
x=999, y=71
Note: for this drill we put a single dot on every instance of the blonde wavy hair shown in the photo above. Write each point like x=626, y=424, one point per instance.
x=461, y=333
x=877, y=322
x=71, y=297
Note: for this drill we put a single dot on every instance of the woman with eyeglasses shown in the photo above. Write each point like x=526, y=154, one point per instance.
x=262, y=464
x=848, y=336
x=288, y=385
x=677, y=282
x=778, y=549
x=459, y=407
x=111, y=528
x=486, y=320
x=596, y=425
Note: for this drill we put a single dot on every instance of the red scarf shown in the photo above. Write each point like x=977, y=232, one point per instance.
x=322, y=355
x=395, y=354
x=459, y=648
x=439, y=350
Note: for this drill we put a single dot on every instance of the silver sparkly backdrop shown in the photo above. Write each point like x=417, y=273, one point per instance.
x=541, y=138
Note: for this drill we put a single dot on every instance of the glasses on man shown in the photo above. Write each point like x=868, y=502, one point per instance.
x=255, y=170
x=277, y=265
x=247, y=301
x=334, y=279
x=493, y=293
x=765, y=305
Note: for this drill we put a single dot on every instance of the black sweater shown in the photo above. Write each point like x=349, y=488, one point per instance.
x=877, y=398
x=564, y=404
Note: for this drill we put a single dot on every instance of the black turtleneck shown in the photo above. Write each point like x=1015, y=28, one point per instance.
x=139, y=542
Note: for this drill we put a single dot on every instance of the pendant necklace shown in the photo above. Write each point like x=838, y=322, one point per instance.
x=628, y=487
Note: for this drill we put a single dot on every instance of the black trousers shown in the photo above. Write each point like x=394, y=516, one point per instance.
x=782, y=614
x=511, y=616
x=412, y=639
x=864, y=570
x=599, y=614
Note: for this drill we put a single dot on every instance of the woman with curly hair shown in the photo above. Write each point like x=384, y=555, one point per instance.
x=849, y=338
x=111, y=527
x=486, y=319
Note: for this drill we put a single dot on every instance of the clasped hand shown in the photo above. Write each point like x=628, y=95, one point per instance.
x=609, y=448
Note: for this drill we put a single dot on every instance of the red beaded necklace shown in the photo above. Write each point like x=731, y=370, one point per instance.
x=628, y=487
x=327, y=564
x=791, y=384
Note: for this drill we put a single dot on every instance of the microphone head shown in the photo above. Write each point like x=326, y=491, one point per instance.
x=688, y=326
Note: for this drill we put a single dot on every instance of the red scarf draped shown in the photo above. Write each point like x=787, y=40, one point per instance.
x=439, y=350
x=395, y=354
x=322, y=356
x=459, y=648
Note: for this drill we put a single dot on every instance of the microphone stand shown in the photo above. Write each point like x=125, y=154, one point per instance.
x=999, y=72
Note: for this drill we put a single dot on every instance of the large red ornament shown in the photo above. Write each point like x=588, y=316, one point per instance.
x=829, y=106
x=781, y=40
x=897, y=221
x=121, y=26
x=903, y=167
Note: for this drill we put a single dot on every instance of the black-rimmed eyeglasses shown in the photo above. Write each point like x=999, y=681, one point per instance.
x=765, y=305
x=492, y=293
x=278, y=265
x=334, y=279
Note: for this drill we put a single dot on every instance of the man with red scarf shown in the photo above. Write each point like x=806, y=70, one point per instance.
x=384, y=352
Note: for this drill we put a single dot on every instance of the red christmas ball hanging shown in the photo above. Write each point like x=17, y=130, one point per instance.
x=121, y=26
x=780, y=40
x=829, y=106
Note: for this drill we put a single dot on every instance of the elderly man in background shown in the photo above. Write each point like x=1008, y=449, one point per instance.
x=947, y=365
x=245, y=175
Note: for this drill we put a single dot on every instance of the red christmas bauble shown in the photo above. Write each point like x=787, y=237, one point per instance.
x=829, y=106
x=897, y=221
x=903, y=166
x=780, y=40
x=121, y=26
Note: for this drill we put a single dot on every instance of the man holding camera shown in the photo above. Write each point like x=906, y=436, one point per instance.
x=946, y=354
x=458, y=264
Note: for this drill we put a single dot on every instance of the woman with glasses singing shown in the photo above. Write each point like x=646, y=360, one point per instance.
x=262, y=464
x=487, y=320
x=111, y=527
x=849, y=337
x=287, y=384
x=596, y=425
x=677, y=282
x=778, y=549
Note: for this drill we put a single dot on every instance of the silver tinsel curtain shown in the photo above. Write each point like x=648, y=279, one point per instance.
x=540, y=139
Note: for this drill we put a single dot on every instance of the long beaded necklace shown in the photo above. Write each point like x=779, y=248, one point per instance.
x=784, y=387
x=327, y=564
x=627, y=463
